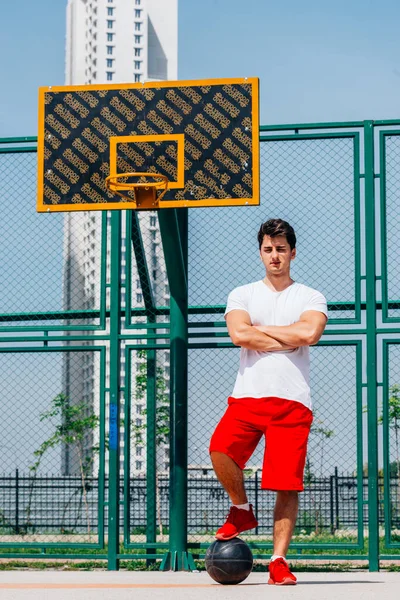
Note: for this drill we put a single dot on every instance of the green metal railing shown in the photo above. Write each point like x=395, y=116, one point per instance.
x=321, y=177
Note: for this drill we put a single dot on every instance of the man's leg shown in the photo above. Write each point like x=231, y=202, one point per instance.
x=230, y=476
x=233, y=442
x=285, y=515
x=241, y=517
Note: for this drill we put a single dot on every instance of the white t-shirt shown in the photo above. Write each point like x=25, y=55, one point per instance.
x=283, y=374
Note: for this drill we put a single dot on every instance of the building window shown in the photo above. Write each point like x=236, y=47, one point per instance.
x=166, y=466
x=110, y=11
x=137, y=77
x=138, y=51
x=137, y=2
x=153, y=235
x=110, y=37
x=166, y=452
x=138, y=13
x=138, y=26
x=139, y=451
x=109, y=76
x=138, y=39
x=154, y=274
x=138, y=422
x=110, y=1
x=109, y=49
x=138, y=465
x=139, y=298
x=137, y=64
x=139, y=409
x=110, y=23
x=153, y=221
x=110, y=62
x=166, y=288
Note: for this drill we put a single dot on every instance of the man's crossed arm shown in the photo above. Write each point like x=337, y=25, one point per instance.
x=269, y=338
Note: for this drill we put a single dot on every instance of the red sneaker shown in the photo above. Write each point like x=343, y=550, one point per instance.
x=279, y=573
x=238, y=520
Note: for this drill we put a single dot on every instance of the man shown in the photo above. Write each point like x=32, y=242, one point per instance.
x=274, y=321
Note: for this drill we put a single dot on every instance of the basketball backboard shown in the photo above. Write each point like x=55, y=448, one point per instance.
x=202, y=135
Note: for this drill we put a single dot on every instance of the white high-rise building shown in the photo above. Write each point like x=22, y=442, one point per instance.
x=112, y=41
x=121, y=41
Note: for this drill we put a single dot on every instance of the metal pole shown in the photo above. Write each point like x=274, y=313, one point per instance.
x=151, y=388
x=16, y=501
x=174, y=237
x=256, y=497
x=115, y=370
x=151, y=451
x=331, y=504
x=337, y=497
x=372, y=411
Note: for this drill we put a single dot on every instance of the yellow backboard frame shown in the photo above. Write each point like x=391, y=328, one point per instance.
x=207, y=202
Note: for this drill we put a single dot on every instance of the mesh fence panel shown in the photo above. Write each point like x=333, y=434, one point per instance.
x=332, y=446
x=147, y=461
x=50, y=450
x=392, y=177
x=57, y=267
x=392, y=418
x=309, y=183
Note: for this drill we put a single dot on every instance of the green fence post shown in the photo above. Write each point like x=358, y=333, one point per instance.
x=115, y=386
x=151, y=450
x=174, y=238
x=151, y=387
x=372, y=410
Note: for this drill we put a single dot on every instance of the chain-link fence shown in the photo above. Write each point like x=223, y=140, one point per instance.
x=56, y=509
x=90, y=415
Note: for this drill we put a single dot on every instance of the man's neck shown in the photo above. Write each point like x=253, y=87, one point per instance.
x=278, y=284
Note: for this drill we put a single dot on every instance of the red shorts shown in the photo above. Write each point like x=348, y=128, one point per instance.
x=286, y=425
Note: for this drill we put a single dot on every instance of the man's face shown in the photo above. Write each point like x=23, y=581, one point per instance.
x=276, y=255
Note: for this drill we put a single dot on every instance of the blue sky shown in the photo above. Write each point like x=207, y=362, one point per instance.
x=317, y=61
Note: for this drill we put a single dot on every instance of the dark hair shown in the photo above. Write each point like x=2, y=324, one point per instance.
x=275, y=227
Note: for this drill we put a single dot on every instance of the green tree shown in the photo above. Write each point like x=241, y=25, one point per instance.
x=71, y=426
x=162, y=403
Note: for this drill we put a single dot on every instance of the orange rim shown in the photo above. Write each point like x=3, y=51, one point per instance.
x=113, y=184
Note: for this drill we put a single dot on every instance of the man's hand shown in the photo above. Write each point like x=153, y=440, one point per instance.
x=242, y=333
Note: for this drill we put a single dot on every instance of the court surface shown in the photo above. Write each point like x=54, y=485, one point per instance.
x=20, y=585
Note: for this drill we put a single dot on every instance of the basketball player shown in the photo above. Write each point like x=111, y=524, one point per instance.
x=274, y=321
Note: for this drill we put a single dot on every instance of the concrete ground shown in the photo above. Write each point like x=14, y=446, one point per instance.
x=51, y=585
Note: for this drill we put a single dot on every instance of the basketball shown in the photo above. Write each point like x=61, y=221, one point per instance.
x=229, y=562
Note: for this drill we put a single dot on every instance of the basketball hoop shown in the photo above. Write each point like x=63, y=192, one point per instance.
x=145, y=193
